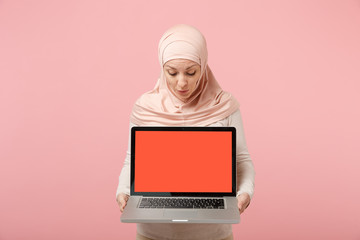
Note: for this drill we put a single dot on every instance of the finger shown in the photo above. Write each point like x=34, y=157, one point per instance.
x=122, y=200
x=118, y=200
x=122, y=208
x=241, y=208
x=242, y=205
x=126, y=197
x=123, y=204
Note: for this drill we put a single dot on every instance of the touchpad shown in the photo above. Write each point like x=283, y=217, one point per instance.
x=180, y=213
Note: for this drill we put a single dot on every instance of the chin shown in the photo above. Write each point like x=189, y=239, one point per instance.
x=184, y=99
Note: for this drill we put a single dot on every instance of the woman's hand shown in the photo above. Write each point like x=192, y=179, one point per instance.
x=122, y=199
x=243, y=202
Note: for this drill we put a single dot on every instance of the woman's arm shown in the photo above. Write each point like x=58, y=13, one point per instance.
x=123, y=189
x=245, y=168
x=245, y=179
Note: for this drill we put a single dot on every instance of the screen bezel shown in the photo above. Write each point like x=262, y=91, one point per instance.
x=179, y=194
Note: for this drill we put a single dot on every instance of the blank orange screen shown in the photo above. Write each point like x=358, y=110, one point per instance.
x=183, y=161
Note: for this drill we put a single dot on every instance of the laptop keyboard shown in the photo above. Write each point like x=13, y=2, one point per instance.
x=208, y=203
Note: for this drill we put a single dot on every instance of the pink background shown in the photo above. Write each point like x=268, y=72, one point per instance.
x=71, y=70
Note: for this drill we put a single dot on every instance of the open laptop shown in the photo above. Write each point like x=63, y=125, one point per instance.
x=182, y=175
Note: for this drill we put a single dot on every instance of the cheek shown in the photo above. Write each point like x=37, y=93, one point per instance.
x=193, y=84
x=196, y=80
x=170, y=83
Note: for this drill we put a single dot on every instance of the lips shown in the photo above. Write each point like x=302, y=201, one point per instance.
x=182, y=91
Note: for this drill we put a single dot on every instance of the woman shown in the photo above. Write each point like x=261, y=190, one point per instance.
x=187, y=94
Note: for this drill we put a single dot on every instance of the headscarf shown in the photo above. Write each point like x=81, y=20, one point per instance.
x=208, y=103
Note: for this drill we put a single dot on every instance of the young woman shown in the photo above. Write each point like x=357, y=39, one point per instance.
x=187, y=94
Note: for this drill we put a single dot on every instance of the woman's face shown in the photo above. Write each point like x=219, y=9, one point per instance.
x=182, y=76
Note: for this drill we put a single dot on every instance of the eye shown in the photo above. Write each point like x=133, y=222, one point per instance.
x=172, y=74
x=191, y=74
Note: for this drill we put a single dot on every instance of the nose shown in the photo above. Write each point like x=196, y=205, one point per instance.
x=182, y=81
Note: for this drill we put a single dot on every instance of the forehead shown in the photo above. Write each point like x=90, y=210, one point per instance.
x=180, y=63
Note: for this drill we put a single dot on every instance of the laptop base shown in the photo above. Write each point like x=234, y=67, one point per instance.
x=133, y=214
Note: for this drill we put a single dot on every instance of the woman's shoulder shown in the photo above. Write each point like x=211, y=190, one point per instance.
x=235, y=114
x=229, y=120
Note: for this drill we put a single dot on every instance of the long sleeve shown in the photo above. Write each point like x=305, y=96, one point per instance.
x=124, y=178
x=245, y=169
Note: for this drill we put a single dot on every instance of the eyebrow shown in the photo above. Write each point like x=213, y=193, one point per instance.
x=186, y=68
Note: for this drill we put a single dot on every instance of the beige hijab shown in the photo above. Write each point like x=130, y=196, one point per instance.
x=208, y=104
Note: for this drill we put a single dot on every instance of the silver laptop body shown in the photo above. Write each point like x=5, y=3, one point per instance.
x=182, y=175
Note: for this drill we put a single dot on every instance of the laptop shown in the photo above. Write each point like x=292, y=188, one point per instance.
x=182, y=175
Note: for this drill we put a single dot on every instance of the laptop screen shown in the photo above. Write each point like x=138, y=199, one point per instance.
x=182, y=160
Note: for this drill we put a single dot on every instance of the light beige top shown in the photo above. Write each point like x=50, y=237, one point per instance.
x=245, y=183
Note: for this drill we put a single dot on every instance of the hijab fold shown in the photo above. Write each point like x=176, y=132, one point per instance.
x=208, y=104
